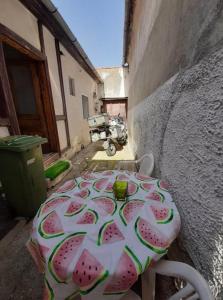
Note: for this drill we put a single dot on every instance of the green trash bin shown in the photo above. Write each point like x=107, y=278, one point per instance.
x=22, y=173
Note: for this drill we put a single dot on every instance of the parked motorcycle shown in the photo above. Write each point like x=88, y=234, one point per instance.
x=112, y=131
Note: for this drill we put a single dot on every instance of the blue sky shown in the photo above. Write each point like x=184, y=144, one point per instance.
x=98, y=26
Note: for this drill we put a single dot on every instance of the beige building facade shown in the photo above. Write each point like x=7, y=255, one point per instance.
x=70, y=80
x=114, y=95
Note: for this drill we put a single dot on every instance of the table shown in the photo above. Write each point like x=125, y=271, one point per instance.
x=88, y=243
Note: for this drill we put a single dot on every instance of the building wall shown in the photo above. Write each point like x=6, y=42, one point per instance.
x=17, y=18
x=113, y=82
x=55, y=84
x=165, y=38
x=84, y=85
x=176, y=111
x=4, y=131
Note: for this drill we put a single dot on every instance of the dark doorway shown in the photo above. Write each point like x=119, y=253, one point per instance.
x=23, y=73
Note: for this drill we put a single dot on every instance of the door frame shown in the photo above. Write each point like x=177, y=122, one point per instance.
x=12, y=39
x=115, y=100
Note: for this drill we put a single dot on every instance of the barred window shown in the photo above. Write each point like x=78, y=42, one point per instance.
x=85, y=106
x=71, y=86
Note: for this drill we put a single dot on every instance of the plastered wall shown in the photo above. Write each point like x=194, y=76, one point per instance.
x=84, y=85
x=113, y=82
x=17, y=18
x=182, y=124
x=175, y=84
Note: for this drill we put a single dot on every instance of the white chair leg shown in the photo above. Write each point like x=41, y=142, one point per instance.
x=148, y=285
x=184, y=292
x=189, y=274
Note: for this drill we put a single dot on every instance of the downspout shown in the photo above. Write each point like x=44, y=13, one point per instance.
x=129, y=8
x=53, y=10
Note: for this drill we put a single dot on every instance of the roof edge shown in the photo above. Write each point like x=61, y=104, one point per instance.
x=47, y=13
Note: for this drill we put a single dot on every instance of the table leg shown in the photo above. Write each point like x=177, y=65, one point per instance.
x=148, y=285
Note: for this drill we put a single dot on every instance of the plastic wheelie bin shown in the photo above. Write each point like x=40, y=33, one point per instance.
x=22, y=173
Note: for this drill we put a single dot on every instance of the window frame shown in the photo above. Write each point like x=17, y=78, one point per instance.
x=86, y=114
x=71, y=83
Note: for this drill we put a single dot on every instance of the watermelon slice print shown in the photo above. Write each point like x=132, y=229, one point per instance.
x=84, y=184
x=129, y=210
x=150, y=236
x=163, y=185
x=74, y=208
x=73, y=296
x=109, y=233
x=148, y=263
x=48, y=293
x=132, y=188
x=100, y=184
x=107, y=204
x=89, y=217
x=162, y=214
x=122, y=177
x=63, y=254
x=89, y=176
x=157, y=196
x=88, y=272
x=146, y=186
x=142, y=177
x=126, y=274
x=50, y=226
x=109, y=188
x=108, y=173
x=82, y=194
x=67, y=186
x=52, y=204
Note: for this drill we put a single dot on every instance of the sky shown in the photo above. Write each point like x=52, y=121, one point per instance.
x=98, y=26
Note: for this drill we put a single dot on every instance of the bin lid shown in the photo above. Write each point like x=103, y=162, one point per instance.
x=20, y=143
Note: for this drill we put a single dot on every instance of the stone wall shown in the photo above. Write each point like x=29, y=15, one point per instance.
x=182, y=124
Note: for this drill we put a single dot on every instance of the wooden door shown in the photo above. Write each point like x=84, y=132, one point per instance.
x=115, y=107
x=26, y=92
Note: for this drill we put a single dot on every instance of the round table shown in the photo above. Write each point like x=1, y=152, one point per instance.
x=88, y=243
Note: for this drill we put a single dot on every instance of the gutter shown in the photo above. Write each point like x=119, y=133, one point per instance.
x=129, y=9
x=54, y=11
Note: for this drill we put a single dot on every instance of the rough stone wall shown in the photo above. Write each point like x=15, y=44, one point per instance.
x=182, y=124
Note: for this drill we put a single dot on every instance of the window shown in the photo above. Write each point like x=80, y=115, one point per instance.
x=71, y=86
x=85, y=106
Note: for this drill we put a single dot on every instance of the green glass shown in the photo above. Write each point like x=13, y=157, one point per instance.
x=120, y=190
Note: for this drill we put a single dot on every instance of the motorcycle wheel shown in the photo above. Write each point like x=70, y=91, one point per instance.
x=122, y=142
x=111, y=150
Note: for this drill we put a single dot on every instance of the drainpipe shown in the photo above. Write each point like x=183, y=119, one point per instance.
x=129, y=8
x=54, y=11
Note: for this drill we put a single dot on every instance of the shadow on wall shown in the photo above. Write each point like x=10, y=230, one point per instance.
x=182, y=124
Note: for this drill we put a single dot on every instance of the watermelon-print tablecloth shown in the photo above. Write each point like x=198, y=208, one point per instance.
x=87, y=243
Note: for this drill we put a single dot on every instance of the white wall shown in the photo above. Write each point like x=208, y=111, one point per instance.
x=113, y=82
x=4, y=131
x=16, y=17
x=55, y=84
x=84, y=85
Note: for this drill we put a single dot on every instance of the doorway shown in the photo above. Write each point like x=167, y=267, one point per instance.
x=115, y=107
x=24, y=79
